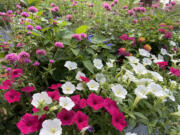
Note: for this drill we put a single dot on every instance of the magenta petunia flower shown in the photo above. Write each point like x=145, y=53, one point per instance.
x=110, y=106
x=124, y=37
x=32, y=9
x=82, y=103
x=94, y=101
x=28, y=89
x=162, y=64
x=55, y=95
x=12, y=96
x=59, y=44
x=28, y=124
x=16, y=73
x=11, y=57
x=66, y=117
x=175, y=71
x=81, y=120
x=79, y=103
x=168, y=35
x=6, y=84
x=118, y=120
x=84, y=79
x=55, y=86
x=41, y=52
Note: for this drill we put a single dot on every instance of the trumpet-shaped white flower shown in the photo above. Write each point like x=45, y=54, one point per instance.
x=129, y=75
x=119, y=91
x=141, y=91
x=156, y=89
x=93, y=85
x=143, y=81
x=156, y=76
x=169, y=94
x=147, y=61
x=129, y=133
x=139, y=69
x=79, y=86
x=79, y=74
x=71, y=65
x=68, y=88
x=41, y=99
x=66, y=103
x=163, y=51
x=132, y=59
x=98, y=63
x=51, y=127
x=100, y=78
x=143, y=52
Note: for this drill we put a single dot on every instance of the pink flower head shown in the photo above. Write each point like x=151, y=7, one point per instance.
x=16, y=73
x=41, y=52
x=12, y=96
x=55, y=95
x=125, y=7
x=36, y=63
x=53, y=5
x=173, y=3
x=28, y=89
x=35, y=109
x=74, y=3
x=23, y=56
x=112, y=4
x=59, y=44
x=69, y=17
x=106, y=6
x=38, y=27
x=6, y=84
x=79, y=103
x=162, y=30
x=115, y=1
x=168, y=35
x=11, y=57
x=10, y=12
x=81, y=120
x=84, y=79
x=155, y=5
x=135, y=21
x=55, y=9
x=131, y=12
x=66, y=117
x=55, y=86
x=28, y=124
x=18, y=6
x=25, y=14
x=110, y=106
x=19, y=44
x=29, y=32
x=94, y=101
x=175, y=71
x=162, y=64
x=91, y=5
x=83, y=35
x=122, y=51
x=118, y=121
x=77, y=36
x=124, y=37
x=51, y=61
x=29, y=27
x=82, y=103
x=32, y=9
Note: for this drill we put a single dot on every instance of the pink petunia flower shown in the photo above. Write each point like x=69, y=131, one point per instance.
x=81, y=120
x=12, y=96
x=110, y=106
x=28, y=89
x=175, y=71
x=16, y=73
x=55, y=86
x=162, y=64
x=55, y=95
x=84, y=79
x=66, y=117
x=79, y=103
x=6, y=84
x=94, y=101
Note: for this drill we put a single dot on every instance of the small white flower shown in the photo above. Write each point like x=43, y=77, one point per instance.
x=143, y=81
x=68, y=88
x=93, y=85
x=141, y=91
x=156, y=89
x=160, y=57
x=110, y=63
x=153, y=56
x=128, y=76
x=100, y=78
x=71, y=65
x=51, y=127
x=179, y=110
x=119, y=91
x=132, y=59
x=41, y=99
x=143, y=52
x=98, y=63
x=156, y=76
x=79, y=86
x=173, y=82
x=172, y=43
x=147, y=61
x=163, y=51
x=66, y=103
x=79, y=74
x=169, y=94
x=139, y=69
x=129, y=133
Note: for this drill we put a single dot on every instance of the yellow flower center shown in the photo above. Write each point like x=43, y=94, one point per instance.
x=53, y=130
x=92, y=85
x=118, y=92
x=67, y=88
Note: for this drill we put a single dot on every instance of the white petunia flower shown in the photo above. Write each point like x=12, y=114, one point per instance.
x=128, y=76
x=100, y=78
x=139, y=69
x=119, y=91
x=71, y=65
x=79, y=86
x=79, y=74
x=129, y=133
x=133, y=59
x=93, y=85
x=110, y=63
x=172, y=43
x=156, y=89
x=51, y=127
x=143, y=81
x=169, y=94
x=68, y=88
x=156, y=76
x=141, y=91
x=173, y=82
x=66, y=103
x=147, y=61
x=98, y=63
x=41, y=99
x=163, y=51
x=160, y=57
x=143, y=52
x=179, y=110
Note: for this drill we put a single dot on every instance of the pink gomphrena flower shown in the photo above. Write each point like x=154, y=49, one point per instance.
x=131, y=12
x=59, y=44
x=29, y=32
x=90, y=4
x=77, y=36
x=112, y=4
x=124, y=37
x=125, y=7
x=53, y=5
x=122, y=51
x=173, y=3
x=20, y=44
x=110, y=106
x=36, y=63
x=162, y=64
x=55, y=95
x=95, y=101
x=23, y=56
x=18, y=6
x=2, y=14
x=11, y=57
x=68, y=17
x=51, y=61
x=10, y=12
x=142, y=9
x=32, y=9
x=106, y=6
x=12, y=96
x=168, y=35
x=84, y=79
x=155, y=5
x=81, y=120
x=28, y=89
x=135, y=21
x=140, y=3
x=166, y=9
x=41, y=52
x=24, y=14
x=162, y=30
x=54, y=22
x=55, y=86
x=74, y=3
x=66, y=117
x=38, y=27
x=55, y=9
x=29, y=27
x=79, y=103
x=83, y=35
x=29, y=123
x=115, y=1
x=175, y=71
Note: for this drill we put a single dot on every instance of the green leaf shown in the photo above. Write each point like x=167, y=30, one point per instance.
x=75, y=51
x=88, y=64
x=81, y=29
x=140, y=115
x=98, y=39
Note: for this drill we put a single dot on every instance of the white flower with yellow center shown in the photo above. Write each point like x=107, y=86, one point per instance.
x=51, y=127
x=141, y=91
x=41, y=100
x=93, y=85
x=68, y=88
x=71, y=65
x=98, y=63
x=66, y=102
x=119, y=91
x=156, y=89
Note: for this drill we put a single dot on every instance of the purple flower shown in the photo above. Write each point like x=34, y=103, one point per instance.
x=12, y=57
x=41, y=52
x=29, y=27
x=51, y=61
x=36, y=63
x=38, y=27
x=131, y=12
x=89, y=38
x=25, y=14
x=32, y=9
x=10, y=12
x=59, y=44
